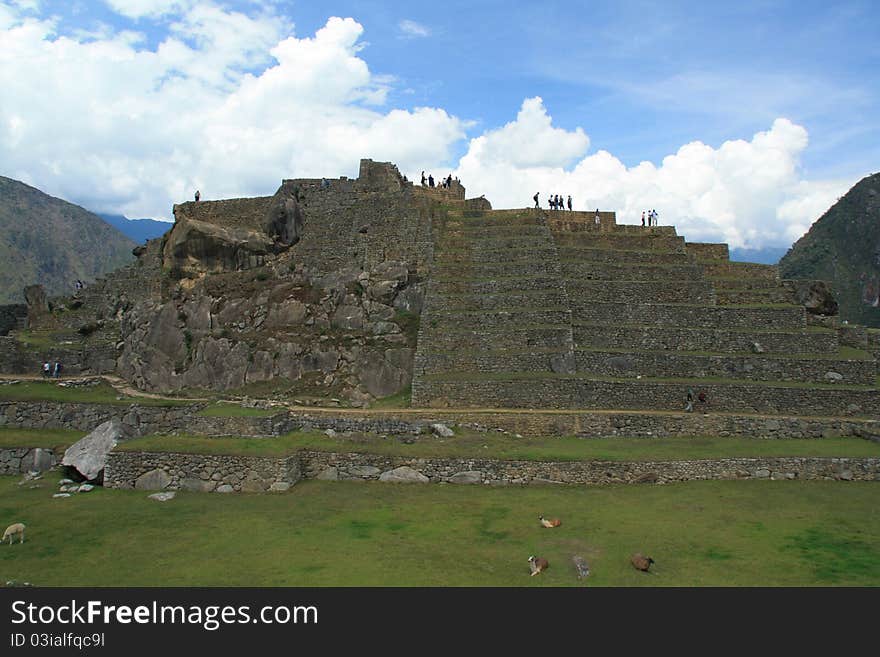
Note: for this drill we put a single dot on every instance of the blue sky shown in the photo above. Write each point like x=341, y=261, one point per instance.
x=641, y=80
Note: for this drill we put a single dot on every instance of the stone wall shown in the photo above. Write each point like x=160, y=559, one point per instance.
x=674, y=338
x=15, y=460
x=585, y=424
x=13, y=316
x=170, y=471
x=584, y=393
x=720, y=317
x=82, y=357
x=708, y=251
x=200, y=472
x=755, y=368
x=229, y=213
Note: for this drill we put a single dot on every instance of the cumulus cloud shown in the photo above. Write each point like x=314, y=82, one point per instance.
x=228, y=103
x=231, y=102
x=411, y=29
x=746, y=193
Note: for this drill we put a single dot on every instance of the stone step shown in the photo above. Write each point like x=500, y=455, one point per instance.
x=753, y=295
x=753, y=367
x=496, y=285
x=499, y=231
x=584, y=293
x=531, y=390
x=477, y=301
x=630, y=272
x=512, y=268
x=493, y=243
x=673, y=338
x=739, y=283
x=708, y=250
x=621, y=257
x=509, y=221
x=438, y=322
x=455, y=256
x=743, y=270
x=688, y=316
x=492, y=361
x=620, y=242
x=504, y=336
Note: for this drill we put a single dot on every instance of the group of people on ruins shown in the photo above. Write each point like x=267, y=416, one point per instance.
x=445, y=183
x=556, y=202
x=652, y=218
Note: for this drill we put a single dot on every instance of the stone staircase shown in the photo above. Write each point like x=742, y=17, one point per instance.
x=535, y=309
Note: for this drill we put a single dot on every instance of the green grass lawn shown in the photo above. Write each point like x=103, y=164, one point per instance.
x=102, y=393
x=498, y=446
x=50, y=438
x=743, y=533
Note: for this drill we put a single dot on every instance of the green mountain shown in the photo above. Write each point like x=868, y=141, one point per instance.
x=843, y=248
x=52, y=242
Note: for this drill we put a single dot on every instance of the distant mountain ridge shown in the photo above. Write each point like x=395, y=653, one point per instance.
x=843, y=247
x=49, y=241
x=769, y=255
x=140, y=230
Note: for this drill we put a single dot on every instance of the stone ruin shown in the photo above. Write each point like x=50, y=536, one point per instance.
x=347, y=291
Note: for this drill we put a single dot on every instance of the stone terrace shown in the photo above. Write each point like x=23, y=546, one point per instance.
x=537, y=309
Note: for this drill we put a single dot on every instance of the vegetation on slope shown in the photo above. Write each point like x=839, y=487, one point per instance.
x=843, y=247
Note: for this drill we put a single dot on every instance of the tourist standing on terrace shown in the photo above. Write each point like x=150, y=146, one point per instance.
x=569, y=202
x=536, y=200
x=598, y=219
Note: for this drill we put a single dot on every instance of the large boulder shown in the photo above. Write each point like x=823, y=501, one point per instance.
x=195, y=247
x=404, y=475
x=816, y=297
x=284, y=219
x=88, y=456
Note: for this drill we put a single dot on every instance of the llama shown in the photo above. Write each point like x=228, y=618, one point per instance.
x=555, y=522
x=12, y=531
x=641, y=562
x=538, y=565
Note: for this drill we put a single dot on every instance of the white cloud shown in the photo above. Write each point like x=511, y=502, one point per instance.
x=230, y=103
x=149, y=8
x=227, y=103
x=746, y=193
x=411, y=29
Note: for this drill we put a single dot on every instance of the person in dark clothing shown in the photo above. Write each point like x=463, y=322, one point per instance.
x=198, y=195
x=424, y=180
x=430, y=180
x=536, y=200
x=569, y=202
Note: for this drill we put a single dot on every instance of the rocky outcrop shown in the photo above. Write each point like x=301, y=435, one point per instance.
x=338, y=332
x=284, y=220
x=195, y=247
x=816, y=297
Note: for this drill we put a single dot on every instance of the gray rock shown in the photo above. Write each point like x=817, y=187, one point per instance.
x=162, y=497
x=757, y=348
x=442, y=430
x=330, y=474
x=85, y=488
x=156, y=479
x=363, y=471
x=279, y=487
x=225, y=488
x=44, y=459
x=846, y=475
x=61, y=495
x=467, y=477
x=348, y=318
x=762, y=473
x=833, y=376
x=404, y=474
x=198, y=485
x=89, y=455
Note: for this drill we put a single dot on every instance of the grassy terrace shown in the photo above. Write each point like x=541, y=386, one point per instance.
x=713, y=533
x=498, y=446
x=535, y=376
x=102, y=393
x=50, y=438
